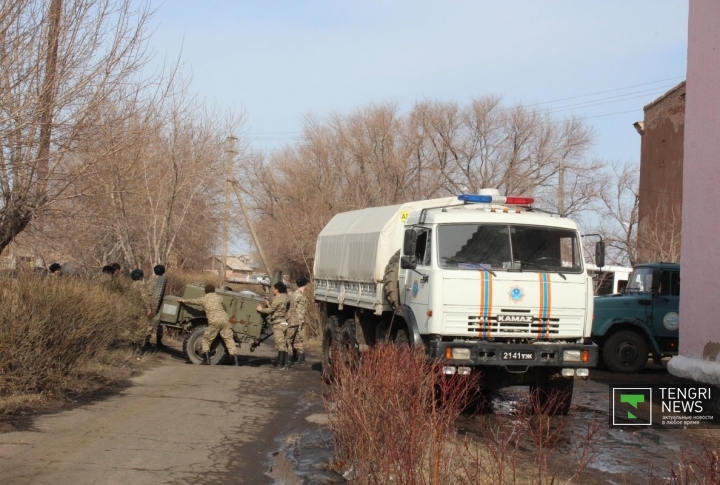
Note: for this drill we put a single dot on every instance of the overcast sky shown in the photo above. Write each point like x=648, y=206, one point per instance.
x=281, y=60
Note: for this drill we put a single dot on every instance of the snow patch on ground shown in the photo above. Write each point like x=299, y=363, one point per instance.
x=698, y=370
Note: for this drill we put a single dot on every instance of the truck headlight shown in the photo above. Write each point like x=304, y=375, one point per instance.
x=461, y=354
x=571, y=355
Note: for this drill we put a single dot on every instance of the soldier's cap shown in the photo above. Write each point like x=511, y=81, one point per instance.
x=107, y=269
x=280, y=286
x=209, y=288
x=136, y=274
x=54, y=267
x=302, y=281
x=159, y=270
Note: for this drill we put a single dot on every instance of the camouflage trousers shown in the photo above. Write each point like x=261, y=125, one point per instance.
x=296, y=339
x=225, y=332
x=154, y=327
x=280, y=333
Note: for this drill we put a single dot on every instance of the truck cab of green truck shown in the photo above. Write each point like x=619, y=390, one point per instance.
x=642, y=320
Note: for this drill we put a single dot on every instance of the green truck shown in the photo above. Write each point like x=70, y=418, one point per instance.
x=642, y=320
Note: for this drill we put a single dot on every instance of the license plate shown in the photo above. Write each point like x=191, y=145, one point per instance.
x=518, y=356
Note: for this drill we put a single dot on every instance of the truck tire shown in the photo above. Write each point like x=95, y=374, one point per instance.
x=625, y=352
x=401, y=337
x=552, y=389
x=349, y=344
x=191, y=347
x=329, y=347
x=390, y=281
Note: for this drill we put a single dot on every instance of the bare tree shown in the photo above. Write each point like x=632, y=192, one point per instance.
x=659, y=235
x=376, y=156
x=618, y=214
x=61, y=62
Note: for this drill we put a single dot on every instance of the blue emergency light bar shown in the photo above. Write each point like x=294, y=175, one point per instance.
x=495, y=199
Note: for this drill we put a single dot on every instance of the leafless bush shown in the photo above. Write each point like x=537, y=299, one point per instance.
x=393, y=415
x=525, y=447
x=49, y=327
x=698, y=465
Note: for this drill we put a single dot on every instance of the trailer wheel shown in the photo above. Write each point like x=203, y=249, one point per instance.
x=329, y=347
x=625, y=352
x=192, y=351
x=390, y=281
x=552, y=393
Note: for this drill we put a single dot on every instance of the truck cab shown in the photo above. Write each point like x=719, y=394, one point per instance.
x=643, y=319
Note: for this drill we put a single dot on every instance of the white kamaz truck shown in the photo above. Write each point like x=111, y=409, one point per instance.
x=483, y=282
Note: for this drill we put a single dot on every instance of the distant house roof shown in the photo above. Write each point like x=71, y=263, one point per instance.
x=235, y=264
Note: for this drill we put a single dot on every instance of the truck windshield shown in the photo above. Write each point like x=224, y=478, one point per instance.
x=640, y=280
x=508, y=247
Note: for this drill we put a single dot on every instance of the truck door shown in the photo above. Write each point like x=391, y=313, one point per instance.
x=417, y=284
x=665, y=318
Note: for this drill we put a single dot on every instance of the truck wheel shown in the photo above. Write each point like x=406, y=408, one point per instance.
x=329, y=347
x=625, y=352
x=552, y=393
x=348, y=340
x=192, y=351
x=401, y=337
x=390, y=281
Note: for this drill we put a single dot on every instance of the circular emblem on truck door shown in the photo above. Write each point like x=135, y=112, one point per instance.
x=671, y=321
x=516, y=294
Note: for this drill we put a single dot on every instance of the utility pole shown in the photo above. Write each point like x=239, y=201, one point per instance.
x=561, y=187
x=250, y=226
x=226, y=230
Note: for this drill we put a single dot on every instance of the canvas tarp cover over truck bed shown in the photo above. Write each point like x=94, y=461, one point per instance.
x=357, y=245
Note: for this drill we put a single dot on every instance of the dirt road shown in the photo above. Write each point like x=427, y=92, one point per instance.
x=176, y=424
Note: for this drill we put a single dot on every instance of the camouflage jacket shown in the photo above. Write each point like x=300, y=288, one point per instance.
x=141, y=293
x=298, y=308
x=156, y=289
x=212, y=303
x=278, y=309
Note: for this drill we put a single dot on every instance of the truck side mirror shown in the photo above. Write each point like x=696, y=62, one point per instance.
x=408, y=262
x=410, y=241
x=600, y=254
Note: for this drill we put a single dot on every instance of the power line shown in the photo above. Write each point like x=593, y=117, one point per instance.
x=607, y=91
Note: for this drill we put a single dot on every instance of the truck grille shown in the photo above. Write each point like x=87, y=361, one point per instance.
x=535, y=326
x=563, y=323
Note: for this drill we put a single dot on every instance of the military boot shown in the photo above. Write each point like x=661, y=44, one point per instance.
x=236, y=357
x=283, y=360
x=301, y=359
x=286, y=360
x=206, y=358
x=291, y=359
x=277, y=361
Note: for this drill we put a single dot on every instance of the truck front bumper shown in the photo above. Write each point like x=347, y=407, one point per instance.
x=513, y=355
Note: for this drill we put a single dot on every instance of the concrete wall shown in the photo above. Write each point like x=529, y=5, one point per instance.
x=699, y=309
x=661, y=178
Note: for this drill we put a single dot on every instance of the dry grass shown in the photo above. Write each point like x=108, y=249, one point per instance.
x=52, y=329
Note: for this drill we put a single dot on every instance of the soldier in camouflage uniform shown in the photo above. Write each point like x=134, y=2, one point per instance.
x=156, y=290
x=277, y=313
x=218, y=322
x=296, y=320
x=139, y=288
